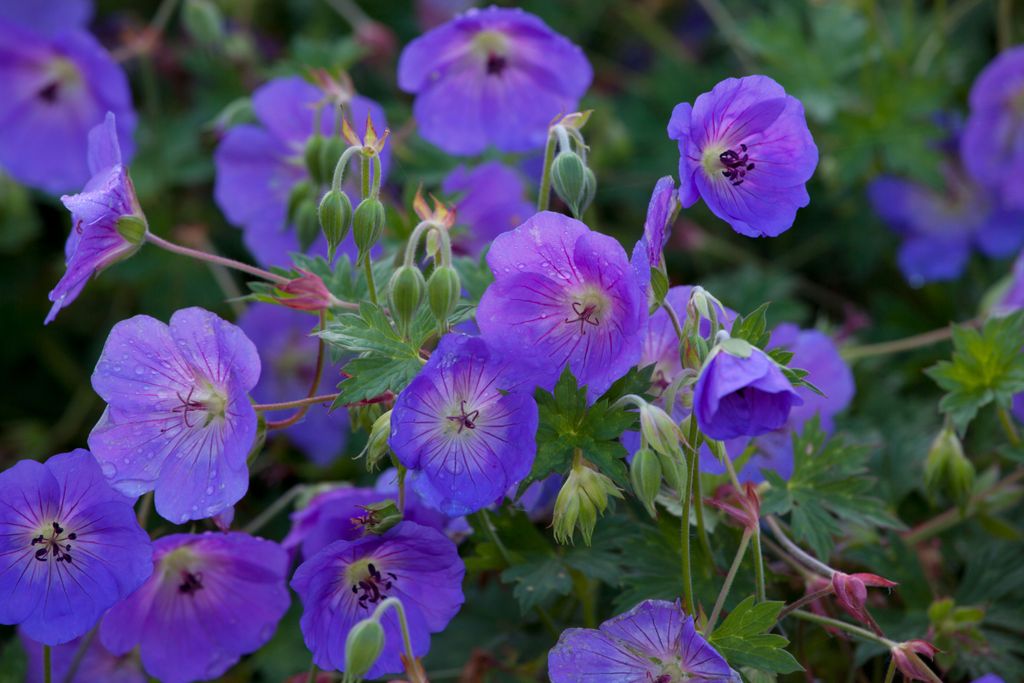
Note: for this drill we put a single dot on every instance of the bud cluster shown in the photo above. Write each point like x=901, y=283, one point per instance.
x=583, y=497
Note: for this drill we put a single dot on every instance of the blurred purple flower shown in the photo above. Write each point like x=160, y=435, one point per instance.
x=564, y=295
x=97, y=663
x=992, y=145
x=467, y=423
x=344, y=582
x=259, y=165
x=58, y=84
x=654, y=641
x=70, y=547
x=940, y=228
x=491, y=200
x=178, y=419
x=94, y=242
x=745, y=149
x=288, y=356
x=1012, y=298
x=492, y=77
x=212, y=598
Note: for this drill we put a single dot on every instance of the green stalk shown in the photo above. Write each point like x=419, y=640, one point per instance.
x=47, y=665
x=544, y=197
x=724, y=593
x=684, y=532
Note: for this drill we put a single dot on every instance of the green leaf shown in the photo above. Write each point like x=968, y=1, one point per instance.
x=536, y=582
x=753, y=327
x=986, y=366
x=743, y=638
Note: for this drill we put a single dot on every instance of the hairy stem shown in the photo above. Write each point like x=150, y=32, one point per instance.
x=544, y=196
x=724, y=593
x=213, y=258
x=796, y=550
x=759, y=566
x=684, y=531
x=910, y=343
x=288, y=422
x=844, y=626
x=805, y=600
x=285, y=405
x=274, y=509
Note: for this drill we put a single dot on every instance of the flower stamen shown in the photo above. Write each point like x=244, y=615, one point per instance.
x=55, y=545
x=736, y=164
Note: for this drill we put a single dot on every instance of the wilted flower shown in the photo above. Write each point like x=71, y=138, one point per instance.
x=492, y=77
x=743, y=506
x=343, y=583
x=107, y=222
x=852, y=593
x=70, y=547
x=58, y=84
x=178, y=419
x=564, y=295
x=96, y=664
x=212, y=598
x=654, y=641
x=467, y=423
x=491, y=200
x=908, y=660
x=745, y=149
x=306, y=293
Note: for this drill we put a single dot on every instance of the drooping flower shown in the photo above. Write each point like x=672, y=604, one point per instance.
x=109, y=197
x=740, y=395
x=744, y=148
x=288, y=355
x=492, y=77
x=70, y=547
x=656, y=223
x=908, y=660
x=564, y=295
x=992, y=145
x=654, y=641
x=852, y=593
x=467, y=423
x=941, y=228
x=491, y=200
x=178, y=419
x=344, y=582
x=58, y=84
x=96, y=664
x=212, y=598
x=258, y=166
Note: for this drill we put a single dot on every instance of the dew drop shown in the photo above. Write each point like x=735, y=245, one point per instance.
x=109, y=470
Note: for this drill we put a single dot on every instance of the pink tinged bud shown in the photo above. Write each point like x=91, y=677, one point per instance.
x=909, y=662
x=852, y=593
x=305, y=293
x=744, y=507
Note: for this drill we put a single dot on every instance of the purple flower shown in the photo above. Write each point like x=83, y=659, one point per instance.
x=1012, y=298
x=58, y=84
x=564, y=294
x=492, y=77
x=178, y=419
x=212, y=598
x=70, y=547
x=742, y=396
x=815, y=352
x=656, y=224
x=940, y=228
x=343, y=583
x=259, y=165
x=746, y=150
x=654, y=641
x=97, y=663
x=288, y=355
x=467, y=423
x=491, y=201
x=94, y=242
x=992, y=145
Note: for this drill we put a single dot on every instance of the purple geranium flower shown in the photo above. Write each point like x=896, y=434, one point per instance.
x=742, y=396
x=58, y=84
x=96, y=664
x=992, y=145
x=745, y=149
x=70, y=547
x=564, y=294
x=178, y=419
x=816, y=352
x=940, y=228
x=491, y=200
x=259, y=165
x=654, y=641
x=467, y=423
x=343, y=583
x=492, y=77
x=656, y=223
x=95, y=242
x=288, y=355
x=212, y=598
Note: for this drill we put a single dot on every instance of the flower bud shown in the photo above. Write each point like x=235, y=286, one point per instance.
x=203, y=22
x=947, y=470
x=330, y=152
x=379, y=517
x=368, y=224
x=335, y=216
x=132, y=228
x=443, y=291
x=660, y=431
x=659, y=286
x=589, y=190
x=377, y=444
x=363, y=646
x=405, y=295
x=583, y=497
x=852, y=593
x=306, y=293
x=301, y=191
x=570, y=181
x=307, y=225
x=311, y=156
x=645, y=475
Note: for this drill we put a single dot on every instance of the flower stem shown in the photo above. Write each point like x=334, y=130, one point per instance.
x=759, y=566
x=412, y=666
x=80, y=651
x=890, y=673
x=364, y=175
x=274, y=508
x=805, y=600
x=544, y=196
x=285, y=405
x=289, y=421
x=313, y=670
x=844, y=626
x=145, y=507
x=910, y=343
x=950, y=518
x=212, y=258
x=722, y=594
x=368, y=271
x=1009, y=427
x=796, y=550
x=684, y=532
x=675, y=320
x=47, y=665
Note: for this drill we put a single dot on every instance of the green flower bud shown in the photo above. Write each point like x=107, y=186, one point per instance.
x=301, y=191
x=362, y=648
x=379, y=517
x=569, y=179
x=673, y=470
x=583, y=497
x=311, y=156
x=377, y=444
x=659, y=286
x=132, y=228
x=203, y=22
x=330, y=152
x=947, y=470
x=335, y=216
x=589, y=191
x=645, y=474
x=368, y=224
x=405, y=295
x=307, y=225
x=661, y=432
x=443, y=291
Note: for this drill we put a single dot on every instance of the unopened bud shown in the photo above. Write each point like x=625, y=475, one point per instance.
x=301, y=191
x=132, y=228
x=362, y=648
x=368, y=225
x=311, y=157
x=306, y=293
x=947, y=470
x=307, y=225
x=583, y=498
x=405, y=294
x=570, y=181
x=335, y=217
x=645, y=475
x=330, y=153
x=203, y=22
x=443, y=291
x=660, y=431
x=377, y=444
